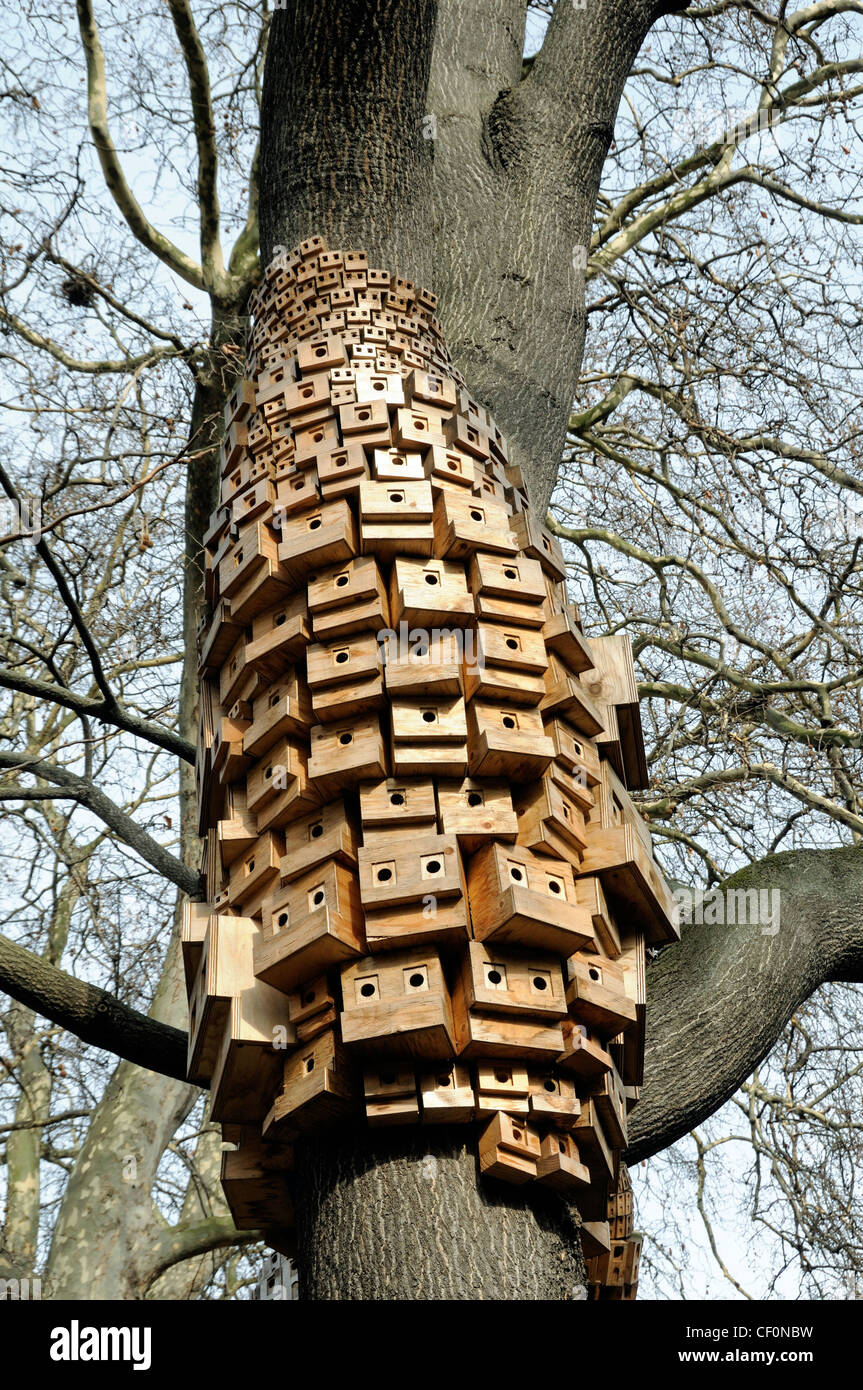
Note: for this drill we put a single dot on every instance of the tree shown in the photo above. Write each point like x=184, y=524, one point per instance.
x=350, y=95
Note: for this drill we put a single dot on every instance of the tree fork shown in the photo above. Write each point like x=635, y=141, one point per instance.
x=408, y=131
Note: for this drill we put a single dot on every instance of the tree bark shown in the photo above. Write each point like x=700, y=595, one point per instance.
x=400, y=1215
x=722, y=997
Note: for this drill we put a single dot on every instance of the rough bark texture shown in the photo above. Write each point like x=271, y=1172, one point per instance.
x=92, y=1014
x=409, y=131
x=400, y=1215
x=723, y=996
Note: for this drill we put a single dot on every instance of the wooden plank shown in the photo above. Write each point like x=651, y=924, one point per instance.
x=613, y=683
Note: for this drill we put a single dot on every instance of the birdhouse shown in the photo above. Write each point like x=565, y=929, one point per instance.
x=194, y=920
x=247, y=1066
x=346, y=753
x=348, y=598
x=279, y=638
x=398, y=1003
x=619, y=851
x=507, y=1006
x=552, y=1099
x=506, y=741
x=520, y=898
x=254, y=870
x=297, y=492
x=446, y=1094
x=345, y=676
x=539, y=544
x=283, y=709
x=238, y=832
x=426, y=663
x=549, y=820
x=563, y=636
x=448, y=469
x=593, y=1143
x=559, y=1163
x=317, y=924
x=224, y=971
x=589, y=893
x=316, y=539
x=391, y=1095
x=584, y=1052
x=412, y=890
x=566, y=697
x=396, y=518
x=429, y=593
x=596, y=994
x=464, y=524
x=256, y=1183
x=508, y=665
x=396, y=802
x=318, y=1088
x=429, y=736
x=476, y=811
x=607, y=1093
x=502, y=1085
x=326, y=833
x=509, y=1150
x=508, y=589
x=278, y=786
x=613, y=688
x=340, y=471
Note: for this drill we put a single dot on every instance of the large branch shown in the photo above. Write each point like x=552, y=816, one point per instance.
x=91, y=366
x=118, y=187
x=91, y=708
x=722, y=997
x=189, y=1239
x=91, y=1014
x=126, y=829
x=205, y=140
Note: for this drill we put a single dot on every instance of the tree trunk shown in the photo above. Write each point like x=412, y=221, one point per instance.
x=397, y=1215
x=408, y=131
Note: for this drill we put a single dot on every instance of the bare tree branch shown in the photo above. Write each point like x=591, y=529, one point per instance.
x=91, y=1014
x=108, y=811
x=127, y=203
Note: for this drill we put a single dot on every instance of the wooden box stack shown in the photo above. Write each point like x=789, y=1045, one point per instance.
x=612, y=1271
x=429, y=892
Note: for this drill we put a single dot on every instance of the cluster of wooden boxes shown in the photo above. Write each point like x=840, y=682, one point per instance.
x=429, y=893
